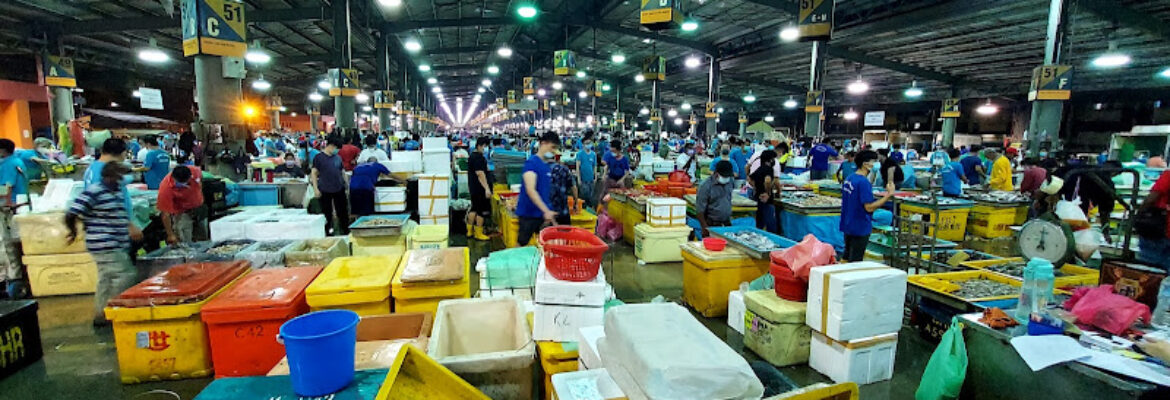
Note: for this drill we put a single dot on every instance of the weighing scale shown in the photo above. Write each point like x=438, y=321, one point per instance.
x=1048, y=238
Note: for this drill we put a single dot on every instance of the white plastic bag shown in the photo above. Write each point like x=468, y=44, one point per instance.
x=1071, y=213
x=1088, y=241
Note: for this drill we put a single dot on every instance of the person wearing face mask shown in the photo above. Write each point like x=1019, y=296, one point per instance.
x=361, y=186
x=113, y=151
x=43, y=149
x=100, y=207
x=725, y=155
x=291, y=167
x=858, y=205
x=687, y=161
x=328, y=180
x=616, y=167
x=372, y=150
x=713, y=199
x=156, y=164
x=533, y=208
x=180, y=195
x=587, y=173
x=564, y=185
x=765, y=189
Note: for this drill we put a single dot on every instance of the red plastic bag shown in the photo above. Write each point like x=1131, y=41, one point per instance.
x=607, y=227
x=679, y=177
x=1102, y=308
x=805, y=255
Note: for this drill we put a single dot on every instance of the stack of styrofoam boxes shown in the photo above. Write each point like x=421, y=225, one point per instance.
x=404, y=164
x=666, y=229
x=434, y=195
x=666, y=212
x=855, y=311
x=587, y=356
x=276, y=224
x=736, y=309
x=55, y=266
x=389, y=199
x=563, y=307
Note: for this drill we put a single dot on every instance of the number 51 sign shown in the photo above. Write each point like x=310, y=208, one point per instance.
x=214, y=27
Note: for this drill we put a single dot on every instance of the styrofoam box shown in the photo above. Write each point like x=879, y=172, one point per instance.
x=550, y=290
x=663, y=166
x=389, y=199
x=667, y=211
x=586, y=339
x=865, y=360
x=433, y=207
x=524, y=294
x=434, y=185
x=232, y=227
x=433, y=220
x=437, y=161
x=413, y=157
x=864, y=299
x=586, y=385
x=286, y=227
x=560, y=323
x=736, y=310
x=402, y=166
x=435, y=143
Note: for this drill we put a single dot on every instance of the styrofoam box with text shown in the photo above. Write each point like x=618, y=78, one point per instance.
x=560, y=323
x=550, y=290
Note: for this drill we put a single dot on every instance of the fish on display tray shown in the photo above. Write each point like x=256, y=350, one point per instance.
x=753, y=240
x=983, y=288
x=999, y=197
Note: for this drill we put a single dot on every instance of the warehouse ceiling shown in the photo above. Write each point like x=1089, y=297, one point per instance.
x=979, y=48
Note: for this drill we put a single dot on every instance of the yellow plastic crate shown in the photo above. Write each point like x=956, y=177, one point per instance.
x=659, y=244
x=429, y=304
x=1074, y=275
x=359, y=284
x=416, y=376
x=554, y=359
x=944, y=283
x=1021, y=215
x=429, y=237
x=630, y=219
x=585, y=220
x=61, y=274
x=952, y=224
x=378, y=245
x=162, y=342
x=991, y=225
x=616, y=210
x=707, y=282
x=425, y=296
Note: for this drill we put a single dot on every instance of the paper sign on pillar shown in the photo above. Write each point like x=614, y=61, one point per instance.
x=855, y=311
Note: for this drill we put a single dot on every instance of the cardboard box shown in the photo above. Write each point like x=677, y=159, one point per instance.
x=855, y=300
x=552, y=291
x=380, y=338
x=735, y=311
x=587, y=338
x=864, y=360
x=560, y=323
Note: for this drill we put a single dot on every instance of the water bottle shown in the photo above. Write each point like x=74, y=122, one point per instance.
x=1036, y=291
x=1162, y=311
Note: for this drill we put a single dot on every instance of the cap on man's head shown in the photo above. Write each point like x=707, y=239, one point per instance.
x=724, y=168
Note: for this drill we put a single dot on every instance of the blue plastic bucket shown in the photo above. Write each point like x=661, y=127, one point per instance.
x=320, y=349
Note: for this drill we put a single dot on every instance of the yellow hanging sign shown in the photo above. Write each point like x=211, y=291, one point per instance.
x=215, y=27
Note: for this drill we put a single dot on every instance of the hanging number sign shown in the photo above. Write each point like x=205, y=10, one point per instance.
x=564, y=98
x=710, y=112
x=512, y=97
x=815, y=19
x=620, y=118
x=57, y=71
x=694, y=121
x=344, y=81
x=656, y=115
x=564, y=63
x=383, y=98
x=743, y=118
x=654, y=68
x=544, y=104
x=660, y=14
x=950, y=108
x=214, y=27
x=404, y=108
x=529, y=85
x=1051, y=82
x=597, y=85
x=814, y=101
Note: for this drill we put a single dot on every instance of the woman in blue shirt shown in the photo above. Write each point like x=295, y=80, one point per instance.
x=858, y=205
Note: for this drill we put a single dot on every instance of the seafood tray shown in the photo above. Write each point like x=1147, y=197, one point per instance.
x=756, y=243
x=737, y=200
x=940, y=259
x=970, y=286
x=225, y=250
x=1066, y=276
x=999, y=197
x=378, y=225
x=943, y=202
x=810, y=201
x=908, y=240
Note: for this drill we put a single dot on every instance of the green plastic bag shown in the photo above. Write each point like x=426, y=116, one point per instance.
x=947, y=368
x=512, y=268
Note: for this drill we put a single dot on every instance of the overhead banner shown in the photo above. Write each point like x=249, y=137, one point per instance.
x=660, y=14
x=529, y=85
x=57, y=71
x=150, y=99
x=214, y=27
x=344, y=81
x=950, y=108
x=1051, y=82
x=564, y=63
x=875, y=118
x=815, y=19
x=383, y=99
x=710, y=111
x=654, y=68
x=544, y=104
x=814, y=101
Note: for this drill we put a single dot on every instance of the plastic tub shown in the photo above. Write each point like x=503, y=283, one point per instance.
x=358, y=284
x=44, y=233
x=488, y=343
x=788, y=286
x=708, y=277
x=429, y=237
x=320, y=349
x=714, y=244
x=160, y=260
x=659, y=244
x=224, y=250
x=269, y=254
x=243, y=321
x=61, y=274
x=315, y=252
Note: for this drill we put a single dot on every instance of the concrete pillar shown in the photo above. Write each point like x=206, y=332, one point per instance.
x=343, y=106
x=315, y=121
x=712, y=97
x=948, y=132
x=656, y=107
x=384, y=119
x=218, y=97
x=742, y=123
x=812, y=120
x=1047, y=114
x=274, y=119
x=61, y=106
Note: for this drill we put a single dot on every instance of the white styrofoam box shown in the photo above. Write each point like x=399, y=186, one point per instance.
x=437, y=162
x=286, y=227
x=865, y=360
x=432, y=207
x=524, y=294
x=666, y=211
x=736, y=310
x=855, y=300
x=663, y=166
x=435, y=143
x=232, y=227
x=586, y=385
x=402, y=166
x=560, y=323
x=550, y=290
x=390, y=199
x=587, y=338
x=433, y=220
x=431, y=185
x=58, y=195
x=413, y=157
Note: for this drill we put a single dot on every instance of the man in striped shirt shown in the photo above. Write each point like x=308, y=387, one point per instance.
x=102, y=208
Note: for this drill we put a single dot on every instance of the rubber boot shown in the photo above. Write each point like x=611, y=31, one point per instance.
x=479, y=235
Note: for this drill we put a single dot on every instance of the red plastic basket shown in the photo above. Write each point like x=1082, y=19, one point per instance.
x=572, y=254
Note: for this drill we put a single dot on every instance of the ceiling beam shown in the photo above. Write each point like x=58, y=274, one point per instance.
x=108, y=25
x=572, y=21
x=1126, y=16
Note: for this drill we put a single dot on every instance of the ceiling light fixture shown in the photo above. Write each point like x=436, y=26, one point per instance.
x=639, y=78
x=257, y=55
x=367, y=108
x=790, y=103
x=526, y=11
x=913, y=91
x=436, y=89
x=504, y=51
x=606, y=87
x=719, y=110
x=432, y=80
x=412, y=45
x=685, y=106
x=494, y=70
x=769, y=118
x=261, y=84
x=672, y=113
x=857, y=87
x=749, y=97
x=481, y=90
x=424, y=68
x=644, y=111
x=678, y=121
x=1112, y=58
x=361, y=98
x=693, y=62
x=850, y=115
x=987, y=108
x=390, y=3
x=790, y=34
x=580, y=74
x=582, y=94
x=618, y=58
x=153, y=54
x=486, y=83
x=541, y=92
x=315, y=97
x=136, y=93
x=690, y=25
x=1165, y=73
x=557, y=86
x=324, y=85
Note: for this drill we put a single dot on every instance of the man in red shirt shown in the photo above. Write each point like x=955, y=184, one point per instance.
x=1034, y=176
x=349, y=153
x=1156, y=249
x=179, y=197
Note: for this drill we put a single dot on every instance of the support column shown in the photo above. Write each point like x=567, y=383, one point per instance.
x=315, y=119
x=218, y=97
x=274, y=118
x=742, y=119
x=61, y=107
x=1047, y=114
x=656, y=109
x=949, y=122
x=812, y=119
x=382, y=65
x=713, y=97
x=343, y=106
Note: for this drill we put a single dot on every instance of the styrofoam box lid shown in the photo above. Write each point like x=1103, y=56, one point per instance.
x=665, y=201
x=586, y=385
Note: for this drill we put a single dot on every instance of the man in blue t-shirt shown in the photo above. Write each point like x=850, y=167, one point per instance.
x=739, y=156
x=156, y=165
x=973, y=166
x=952, y=175
x=617, y=166
x=533, y=207
x=819, y=168
x=587, y=172
x=858, y=205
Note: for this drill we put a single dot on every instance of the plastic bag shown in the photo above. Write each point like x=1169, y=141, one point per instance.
x=1088, y=241
x=512, y=268
x=805, y=255
x=1104, y=309
x=947, y=368
x=1070, y=212
x=764, y=282
x=607, y=227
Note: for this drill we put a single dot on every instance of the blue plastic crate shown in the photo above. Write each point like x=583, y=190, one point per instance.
x=784, y=243
x=259, y=195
